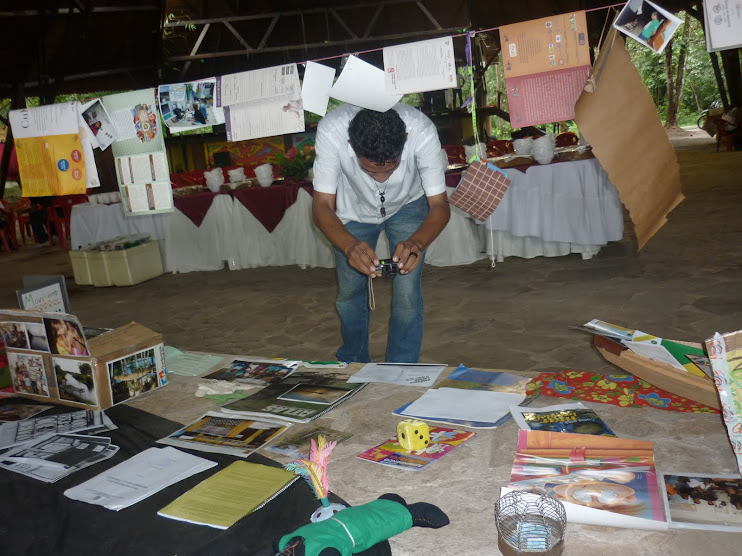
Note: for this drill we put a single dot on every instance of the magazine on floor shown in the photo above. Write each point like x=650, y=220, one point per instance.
x=297, y=445
x=391, y=453
x=226, y=434
x=54, y=456
x=600, y=480
x=255, y=371
x=702, y=501
x=88, y=420
x=303, y=396
x=21, y=412
x=568, y=417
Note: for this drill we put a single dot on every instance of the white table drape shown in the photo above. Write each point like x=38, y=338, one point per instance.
x=550, y=210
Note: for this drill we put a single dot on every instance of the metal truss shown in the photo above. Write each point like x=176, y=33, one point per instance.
x=339, y=14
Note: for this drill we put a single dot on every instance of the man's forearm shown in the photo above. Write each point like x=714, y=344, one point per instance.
x=332, y=227
x=432, y=226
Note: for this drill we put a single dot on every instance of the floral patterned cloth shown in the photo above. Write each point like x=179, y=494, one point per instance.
x=624, y=390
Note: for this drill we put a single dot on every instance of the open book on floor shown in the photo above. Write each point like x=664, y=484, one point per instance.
x=299, y=398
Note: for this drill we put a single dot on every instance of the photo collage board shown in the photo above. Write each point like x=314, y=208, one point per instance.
x=48, y=357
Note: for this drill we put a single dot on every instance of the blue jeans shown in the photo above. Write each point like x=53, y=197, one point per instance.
x=406, y=325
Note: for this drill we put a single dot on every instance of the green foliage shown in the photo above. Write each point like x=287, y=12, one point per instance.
x=699, y=88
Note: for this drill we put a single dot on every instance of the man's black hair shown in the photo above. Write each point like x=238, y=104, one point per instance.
x=377, y=136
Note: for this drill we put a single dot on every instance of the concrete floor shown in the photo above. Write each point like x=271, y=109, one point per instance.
x=683, y=285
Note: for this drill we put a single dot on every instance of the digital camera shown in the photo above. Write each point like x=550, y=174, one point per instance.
x=387, y=268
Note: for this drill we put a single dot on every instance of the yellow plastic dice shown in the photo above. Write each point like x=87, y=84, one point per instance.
x=413, y=435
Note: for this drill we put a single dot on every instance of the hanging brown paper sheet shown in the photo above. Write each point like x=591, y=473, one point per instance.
x=620, y=121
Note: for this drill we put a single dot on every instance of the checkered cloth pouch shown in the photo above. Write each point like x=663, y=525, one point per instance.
x=480, y=190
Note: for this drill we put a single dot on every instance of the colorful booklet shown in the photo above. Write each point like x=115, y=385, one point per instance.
x=255, y=371
x=704, y=502
x=296, y=445
x=600, y=480
x=229, y=495
x=568, y=417
x=226, y=434
x=392, y=454
x=301, y=397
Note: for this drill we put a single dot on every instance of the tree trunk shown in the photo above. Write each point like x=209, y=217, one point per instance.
x=695, y=96
x=675, y=85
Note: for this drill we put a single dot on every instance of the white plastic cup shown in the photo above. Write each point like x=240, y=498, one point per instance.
x=264, y=173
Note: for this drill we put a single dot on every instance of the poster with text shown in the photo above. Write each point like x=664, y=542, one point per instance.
x=420, y=66
x=49, y=150
x=546, y=63
x=723, y=24
x=139, y=153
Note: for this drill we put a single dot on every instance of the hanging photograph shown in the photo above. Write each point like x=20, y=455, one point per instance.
x=75, y=380
x=186, y=106
x=647, y=23
x=28, y=374
x=99, y=123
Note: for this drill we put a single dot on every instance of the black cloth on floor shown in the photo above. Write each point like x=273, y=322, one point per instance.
x=37, y=519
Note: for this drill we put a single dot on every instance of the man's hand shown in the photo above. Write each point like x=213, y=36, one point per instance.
x=407, y=256
x=362, y=257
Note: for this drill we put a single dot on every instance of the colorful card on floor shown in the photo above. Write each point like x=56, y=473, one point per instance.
x=391, y=453
x=569, y=417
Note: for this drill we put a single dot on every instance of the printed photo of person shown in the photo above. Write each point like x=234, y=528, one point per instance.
x=647, y=23
x=65, y=337
x=28, y=375
x=100, y=124
x=14, y=335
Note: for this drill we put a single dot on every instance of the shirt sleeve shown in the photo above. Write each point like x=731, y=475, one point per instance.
x=429, y=161
x=326, y=167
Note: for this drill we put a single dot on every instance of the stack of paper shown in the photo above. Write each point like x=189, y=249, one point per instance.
x=18, y=432
x=405, y=374
x=54, y=456
x=138, y=478
x=226, y=497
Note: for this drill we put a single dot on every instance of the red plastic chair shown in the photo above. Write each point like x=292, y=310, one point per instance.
x=567, y=139
x=7, y=234
x=59, y=215
x=21, y=213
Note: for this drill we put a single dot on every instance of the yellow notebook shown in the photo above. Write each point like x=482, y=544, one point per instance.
x=232, y=493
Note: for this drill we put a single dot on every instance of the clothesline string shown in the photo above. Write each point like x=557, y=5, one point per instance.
x=463, y=34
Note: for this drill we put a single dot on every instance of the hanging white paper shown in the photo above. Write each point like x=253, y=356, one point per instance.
x=315, y=90
x=362, y=84
x=420, y=66
x=276, y=83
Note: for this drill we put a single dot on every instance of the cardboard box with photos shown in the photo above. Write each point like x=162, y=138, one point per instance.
x=50, y=360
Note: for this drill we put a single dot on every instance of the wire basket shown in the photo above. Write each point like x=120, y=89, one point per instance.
x=531, y=523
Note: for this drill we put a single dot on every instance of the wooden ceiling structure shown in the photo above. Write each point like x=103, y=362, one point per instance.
x=51, y=47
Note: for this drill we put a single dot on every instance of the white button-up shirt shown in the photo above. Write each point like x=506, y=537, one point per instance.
x=358, y=196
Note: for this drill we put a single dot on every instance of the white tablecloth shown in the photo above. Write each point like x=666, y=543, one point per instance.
x=554, y=210
x=551, y=210
x=206, y=247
